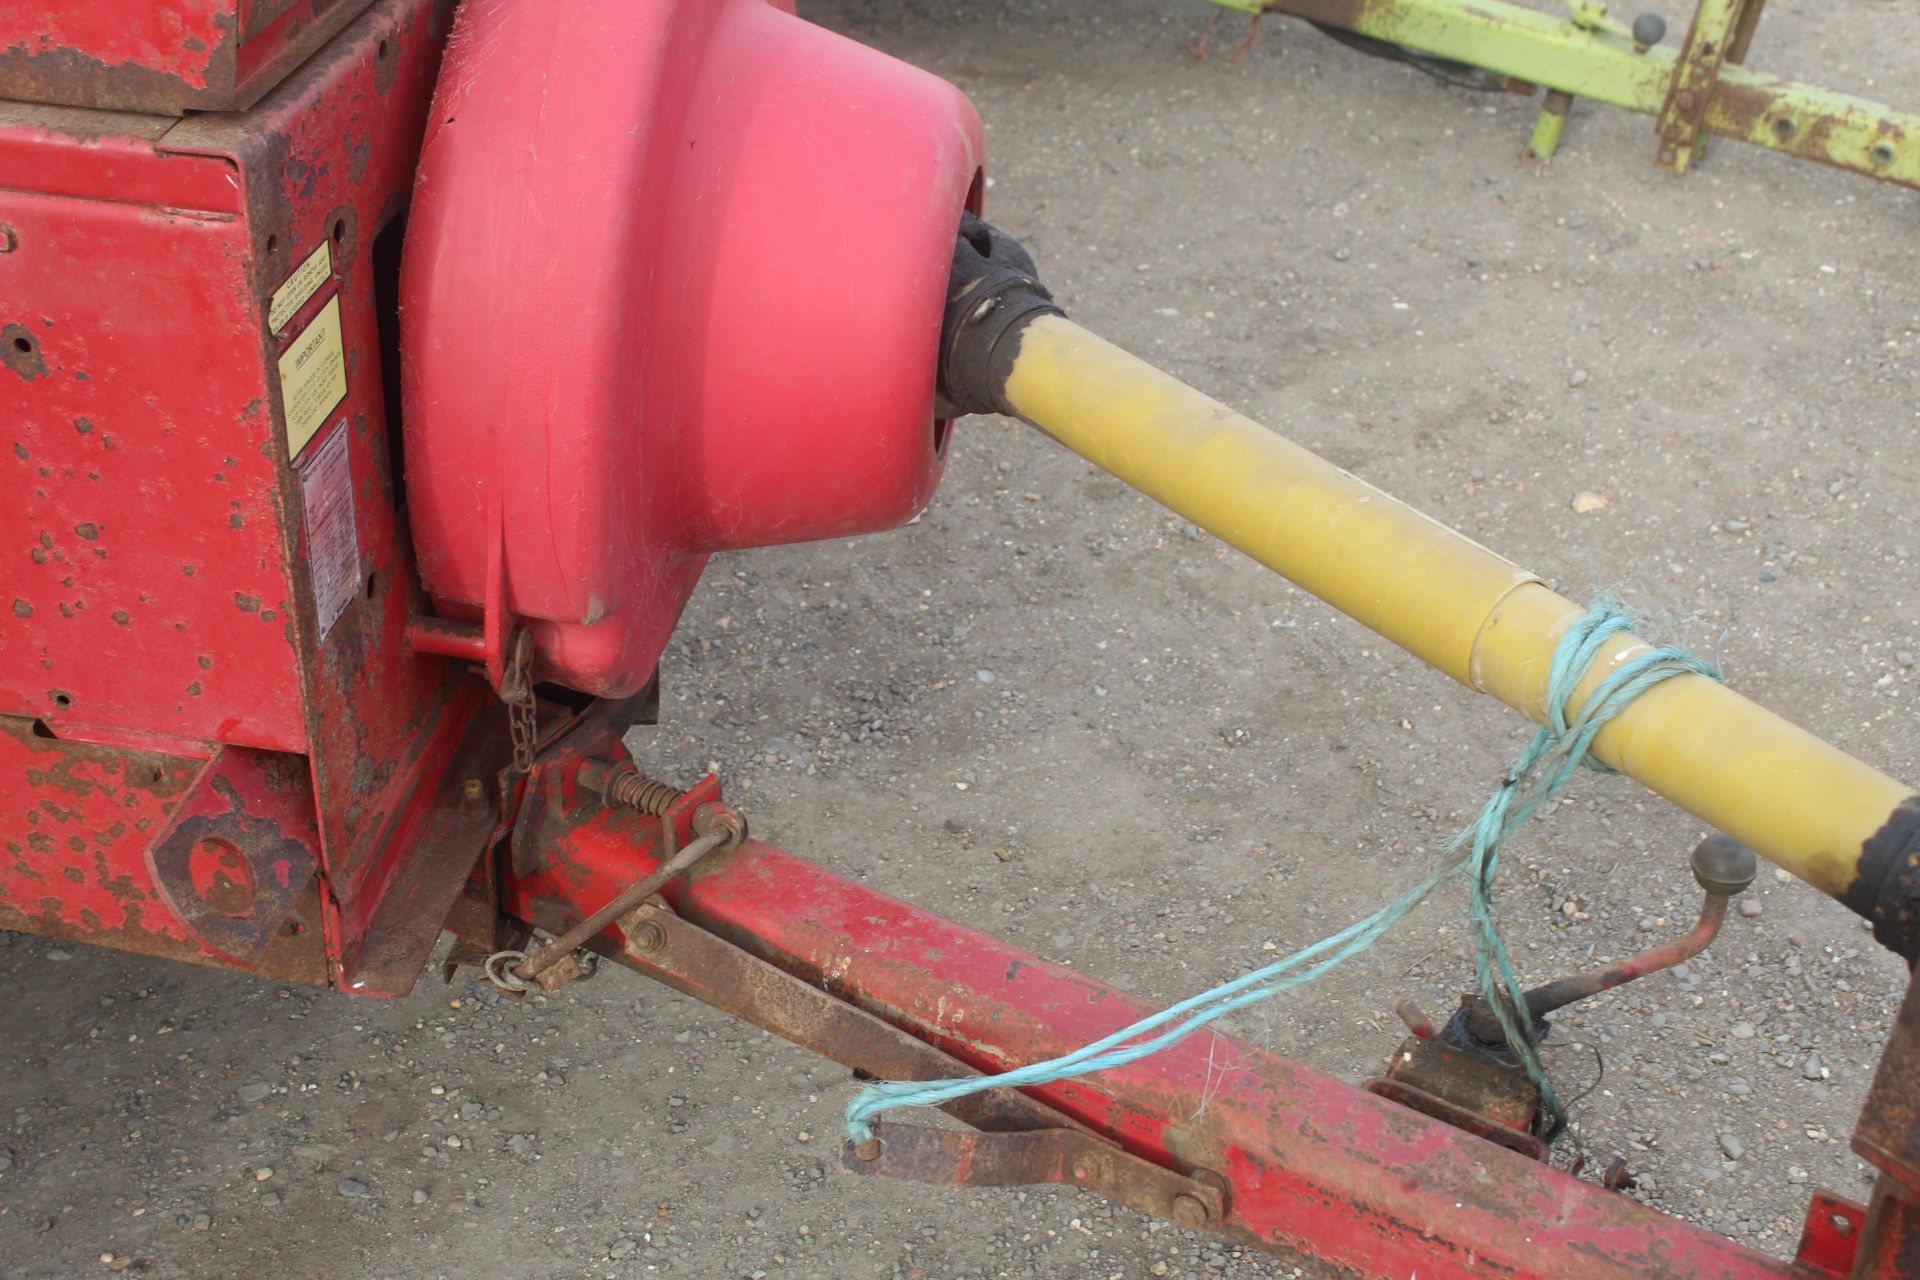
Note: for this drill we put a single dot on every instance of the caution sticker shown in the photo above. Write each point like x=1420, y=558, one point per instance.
x=301, y=285
x=313, y=377
x=333, y=539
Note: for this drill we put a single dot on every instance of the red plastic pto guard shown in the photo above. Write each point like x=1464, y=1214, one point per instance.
x=673, y=282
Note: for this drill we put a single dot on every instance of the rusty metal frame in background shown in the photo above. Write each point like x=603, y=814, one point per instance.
x=1697, y=90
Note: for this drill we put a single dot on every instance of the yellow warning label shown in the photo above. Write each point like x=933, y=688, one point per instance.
x=301, y=285
x=313, y=377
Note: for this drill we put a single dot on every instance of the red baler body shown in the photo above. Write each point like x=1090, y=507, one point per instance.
x=203, y=607
x=420, y=374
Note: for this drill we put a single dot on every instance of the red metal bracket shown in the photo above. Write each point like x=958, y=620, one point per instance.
x=1414, y=1098
x=1831, y=1236
x=239, y=850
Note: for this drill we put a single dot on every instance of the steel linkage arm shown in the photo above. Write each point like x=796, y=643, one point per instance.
x=1019, y=1141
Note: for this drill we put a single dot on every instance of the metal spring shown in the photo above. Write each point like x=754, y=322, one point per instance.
x=636, y=791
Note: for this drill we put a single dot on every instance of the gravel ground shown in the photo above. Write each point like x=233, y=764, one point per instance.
x=1053, y=711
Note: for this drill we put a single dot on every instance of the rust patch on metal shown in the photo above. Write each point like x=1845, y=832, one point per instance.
x=1888, y=1133
x=1889, y=1239
x=74, y=822
x=72, y=78
x=1020, y=1141
x=1478, y=1123
x=20, y=352
x=231, y=55
x=952, y=1158
x=688, y=958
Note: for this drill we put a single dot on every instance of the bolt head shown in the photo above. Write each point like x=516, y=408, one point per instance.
x=1190, y=1211
x=711, y=818
x=1649, y=29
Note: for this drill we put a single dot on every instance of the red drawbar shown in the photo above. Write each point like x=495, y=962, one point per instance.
x=1313, y=1165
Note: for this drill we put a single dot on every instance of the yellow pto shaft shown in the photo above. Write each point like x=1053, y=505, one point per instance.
x=1842, y=826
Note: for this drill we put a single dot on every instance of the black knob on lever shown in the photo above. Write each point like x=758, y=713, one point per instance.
x=1724, y=866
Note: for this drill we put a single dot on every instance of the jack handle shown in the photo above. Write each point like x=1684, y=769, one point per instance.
x=1723, y=867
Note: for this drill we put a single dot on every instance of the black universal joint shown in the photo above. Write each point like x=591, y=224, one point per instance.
x=991, y=295
x=1886, y=888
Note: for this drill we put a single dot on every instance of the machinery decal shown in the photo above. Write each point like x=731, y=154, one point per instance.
x=333, y=543
x=313, y=377
x=306, y=280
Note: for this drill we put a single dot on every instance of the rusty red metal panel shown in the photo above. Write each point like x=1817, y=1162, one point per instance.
x=146, y=577
x=163, y=56
x=76, y=821
x=209, y=550
x=1888, y=1134
x=92, y=155
x=388, y=928
x=239, y=852
x=327, y=162
x=1889, y=1130
x=1313, y=1165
